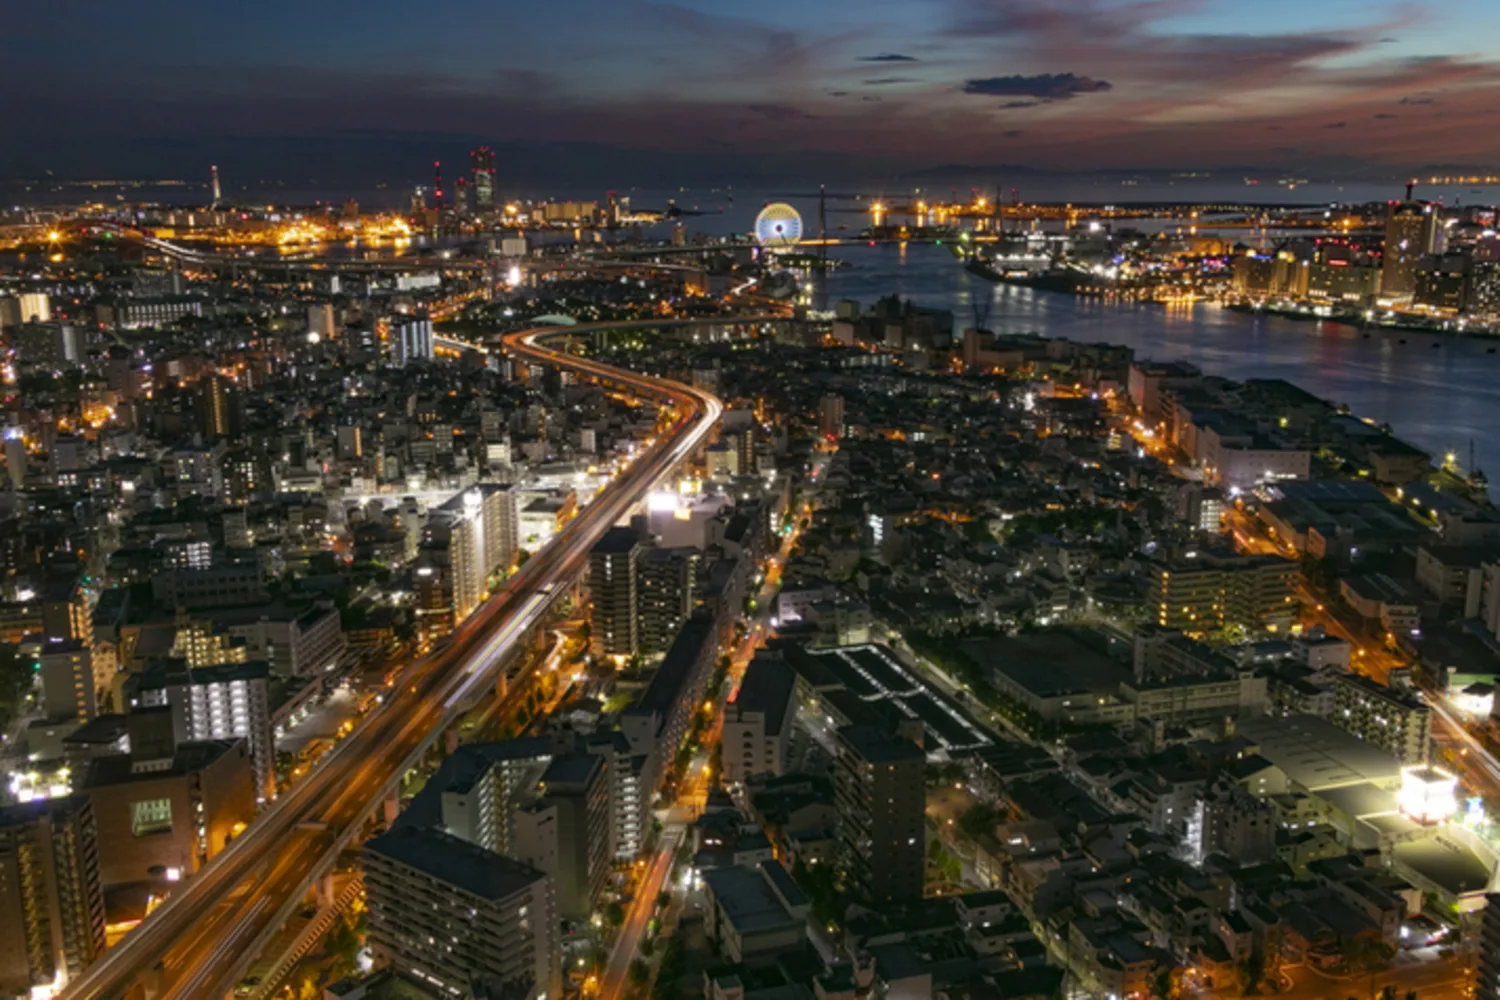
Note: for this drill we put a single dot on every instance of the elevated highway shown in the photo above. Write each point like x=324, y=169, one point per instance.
x=200, y=941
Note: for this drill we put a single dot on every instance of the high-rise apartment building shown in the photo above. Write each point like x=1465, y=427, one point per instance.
x=411, y=340
x=462, y=918
x=1487, y=970
x=475, y=793
x=831, y=417
x=629, y=799
x=51, y=896
x=65, y=612
x=69, y=688
x=1411, y=229
x=224, y=702
x=758, y=722
x=482, y=175
x=564, y=831
x=1395, y=720
x=614, y=607
x=1206, y=593
x=881, y=796
x=221, y=410
x=483, y=525
x=548, y=802
x=664, y=595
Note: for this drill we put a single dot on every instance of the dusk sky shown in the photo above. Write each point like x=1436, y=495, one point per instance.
x=852, y=88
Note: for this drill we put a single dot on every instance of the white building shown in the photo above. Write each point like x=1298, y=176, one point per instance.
x=411, y=340
x=226, y=702
x=758, y=723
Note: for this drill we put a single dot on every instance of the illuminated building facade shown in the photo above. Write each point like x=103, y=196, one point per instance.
x=452, y=914
x=614, y=607
x=51, y=896
x=1410, y=234
x=1204, y=594
x=1390, y=718
x=482, y=178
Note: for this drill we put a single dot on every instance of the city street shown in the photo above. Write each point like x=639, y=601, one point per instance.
x=617, y=972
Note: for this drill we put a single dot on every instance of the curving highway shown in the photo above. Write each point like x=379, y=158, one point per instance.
x=202, y=939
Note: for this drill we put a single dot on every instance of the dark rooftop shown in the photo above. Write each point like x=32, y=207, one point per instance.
x=457, y=862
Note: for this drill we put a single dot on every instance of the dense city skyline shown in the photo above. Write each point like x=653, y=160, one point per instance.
x=833, y=500
x=679, y=92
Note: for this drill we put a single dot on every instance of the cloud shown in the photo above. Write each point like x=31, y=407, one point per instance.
x=1384, y=114
x=1011, y=133
x=1418, y=100
x=869, y=97
x=1008, y=105
x=884, y=81
x=1336, y=125
x=1052, y=86
x=838, y=93
x=780, y=112
x=888, y=57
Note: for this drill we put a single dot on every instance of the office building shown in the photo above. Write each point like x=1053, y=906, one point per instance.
x=51, y=896
x=1411, y=229
x=1395, y=720
x=411, y=340
x=614, y=598
x=758, y=722
x=881, y=796
x=482, y=178
x=461, y=918
x=166, y=809
x=1442, y=284
x=664, y=595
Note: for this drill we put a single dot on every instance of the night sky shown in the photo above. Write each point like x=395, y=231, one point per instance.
x=370, y=89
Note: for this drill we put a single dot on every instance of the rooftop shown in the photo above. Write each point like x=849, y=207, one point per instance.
x=1049, y=664
x=747, y=899
x=457, y=862
x=767, y=688
x=119, y=769
x=683, y=655
x=1316, y=754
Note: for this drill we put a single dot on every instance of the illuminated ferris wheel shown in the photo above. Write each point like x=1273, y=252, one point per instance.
x=778, y=226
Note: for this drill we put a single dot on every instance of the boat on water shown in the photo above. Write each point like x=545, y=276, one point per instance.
x=1049, y=280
